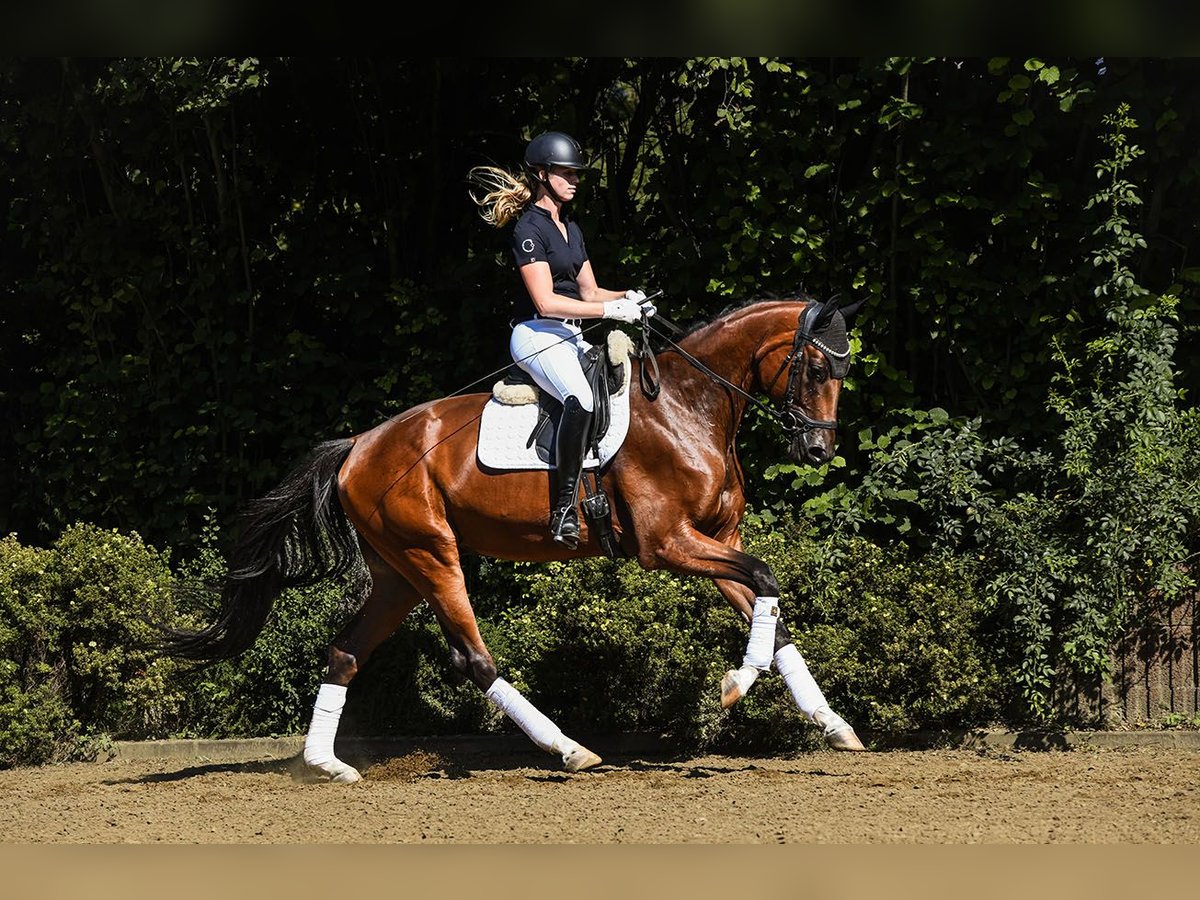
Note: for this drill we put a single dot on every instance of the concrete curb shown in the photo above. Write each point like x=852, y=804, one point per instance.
x=624, y=744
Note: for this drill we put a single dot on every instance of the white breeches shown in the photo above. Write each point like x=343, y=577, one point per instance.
x=551, y=352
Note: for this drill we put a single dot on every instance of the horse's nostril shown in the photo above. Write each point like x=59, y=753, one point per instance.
x=818, y=453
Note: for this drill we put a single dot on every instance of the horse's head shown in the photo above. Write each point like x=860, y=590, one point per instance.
x=804, y=375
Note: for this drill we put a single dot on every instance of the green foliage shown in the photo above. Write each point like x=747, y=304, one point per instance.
x=602, y=646
x=896, y=639
x=269, y=689
x=216, y=261
x=74, y=624
x=1116, y=521
x=1078, y=535
x=611, y=647
x=213, y=262
x=904, y=640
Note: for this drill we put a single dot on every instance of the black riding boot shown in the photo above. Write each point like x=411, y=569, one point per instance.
x=570, y=444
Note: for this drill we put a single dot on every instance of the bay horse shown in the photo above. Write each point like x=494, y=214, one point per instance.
x=398, y=504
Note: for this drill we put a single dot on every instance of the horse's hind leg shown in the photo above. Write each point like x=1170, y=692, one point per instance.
x=438, y=575
x=389, y=603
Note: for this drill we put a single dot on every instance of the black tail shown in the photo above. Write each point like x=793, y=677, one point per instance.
x=296, y=535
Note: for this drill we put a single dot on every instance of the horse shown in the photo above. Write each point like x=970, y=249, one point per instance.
x=396, y=506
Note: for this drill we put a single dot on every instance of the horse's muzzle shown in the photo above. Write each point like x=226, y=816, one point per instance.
x=813, y=448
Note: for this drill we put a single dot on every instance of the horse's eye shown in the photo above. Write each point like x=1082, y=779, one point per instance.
x=817, y=373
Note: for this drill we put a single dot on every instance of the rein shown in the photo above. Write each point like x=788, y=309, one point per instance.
x=793, y=422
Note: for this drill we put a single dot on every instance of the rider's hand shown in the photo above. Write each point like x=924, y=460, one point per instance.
x=639, y=297
x=623, y=310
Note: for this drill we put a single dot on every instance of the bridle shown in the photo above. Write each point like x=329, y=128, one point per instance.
x=786, y=412
x=794, y=421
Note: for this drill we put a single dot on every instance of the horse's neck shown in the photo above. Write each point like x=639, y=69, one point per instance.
x=731, y=347
x=727, y=348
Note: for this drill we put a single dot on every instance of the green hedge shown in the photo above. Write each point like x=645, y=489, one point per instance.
x=72, y=618
x=600, y=646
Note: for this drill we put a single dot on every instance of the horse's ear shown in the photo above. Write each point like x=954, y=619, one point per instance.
x=824, y=314
x=849, y=310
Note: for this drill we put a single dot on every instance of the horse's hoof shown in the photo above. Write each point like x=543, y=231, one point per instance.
x=336, y=772
x=731, y=689
x=846, y=740
x=837, y=731
x=579, y=758
x=736, y=684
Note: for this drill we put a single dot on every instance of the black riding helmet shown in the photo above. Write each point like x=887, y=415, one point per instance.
x=553, y=149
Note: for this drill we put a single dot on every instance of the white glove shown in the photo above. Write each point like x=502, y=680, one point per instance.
x=639, y=297
x=623, y=310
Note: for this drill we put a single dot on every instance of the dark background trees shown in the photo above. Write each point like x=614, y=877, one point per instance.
x=209, y=264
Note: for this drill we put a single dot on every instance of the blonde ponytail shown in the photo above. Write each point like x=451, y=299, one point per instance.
x=505, y=194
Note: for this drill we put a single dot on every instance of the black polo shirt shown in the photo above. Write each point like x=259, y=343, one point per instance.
x=537, y=239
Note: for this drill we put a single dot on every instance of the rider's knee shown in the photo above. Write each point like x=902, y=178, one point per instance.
x=584, y=398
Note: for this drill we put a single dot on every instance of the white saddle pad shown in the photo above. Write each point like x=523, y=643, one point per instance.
x=504, y=431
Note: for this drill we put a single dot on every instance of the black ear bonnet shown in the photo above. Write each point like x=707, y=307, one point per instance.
x=824, y=326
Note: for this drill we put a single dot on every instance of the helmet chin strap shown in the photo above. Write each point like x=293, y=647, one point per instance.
x=545, y=182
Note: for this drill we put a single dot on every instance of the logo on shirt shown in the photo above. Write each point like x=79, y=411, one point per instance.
x=527, y=245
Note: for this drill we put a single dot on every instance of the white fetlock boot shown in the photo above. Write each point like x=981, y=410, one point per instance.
x=318, y=745
x=838, y=733
x=736, y=684
x=759, y=647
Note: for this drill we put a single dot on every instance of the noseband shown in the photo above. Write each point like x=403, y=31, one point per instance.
x=794, y=421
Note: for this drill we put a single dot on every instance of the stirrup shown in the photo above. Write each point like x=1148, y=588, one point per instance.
x=564, y=527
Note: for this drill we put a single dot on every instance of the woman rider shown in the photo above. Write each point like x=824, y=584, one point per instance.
x=560, y=291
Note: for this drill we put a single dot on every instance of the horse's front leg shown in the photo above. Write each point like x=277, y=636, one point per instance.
x=750, y=587
x=791, y=665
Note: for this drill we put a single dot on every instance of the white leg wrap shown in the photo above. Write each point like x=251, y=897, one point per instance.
x=800, y=682
x=318, y=745
x=528, y=718
x=761, y=645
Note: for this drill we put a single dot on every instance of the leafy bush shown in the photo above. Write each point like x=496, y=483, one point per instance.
x=898, y=642
x=1076, y=536
x=74, y=621
x=607, y=646
x=599, y=645
x=269, y=689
